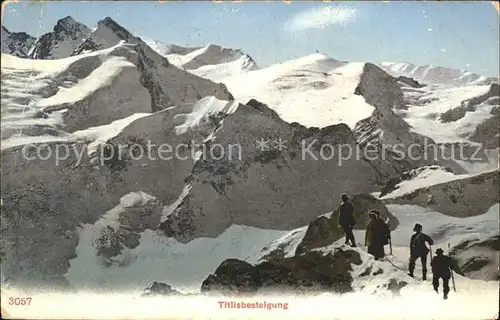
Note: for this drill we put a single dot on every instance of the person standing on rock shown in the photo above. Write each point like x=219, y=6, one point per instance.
x=376, y=236
x=347, y=220
x=441, y=265
x=418, y=249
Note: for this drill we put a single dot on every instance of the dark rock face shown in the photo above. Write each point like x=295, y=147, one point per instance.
x=306, y=274
x=380, y=89
x=477, y=259
x=267, y=180
x=159, y=289
x=132, y=221
x=325, y=230
x=410, y=82
x=487, y=132
x=363, y=203
x=233, y=276
x=61, y=42
x=16, y=43
x=40, y=212
x=389, y=153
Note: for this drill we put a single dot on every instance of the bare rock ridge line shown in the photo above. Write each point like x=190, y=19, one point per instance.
x=16, y=43
x=61, y=42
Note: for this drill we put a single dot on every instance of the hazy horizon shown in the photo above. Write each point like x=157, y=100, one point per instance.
x=421, y=33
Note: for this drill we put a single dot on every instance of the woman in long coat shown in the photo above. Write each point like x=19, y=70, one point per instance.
x=375, y=236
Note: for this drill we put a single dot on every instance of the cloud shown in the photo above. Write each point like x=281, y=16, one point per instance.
x=319, y=18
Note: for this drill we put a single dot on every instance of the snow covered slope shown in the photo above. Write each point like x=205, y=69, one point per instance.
x=157, y=259
x=422, y=177
x=315, y=90
x=209, y=55
x=61, y=42
x=31, y=87
x=16, y=43
x=211, y=62
x=449, y=114
x=436, y=75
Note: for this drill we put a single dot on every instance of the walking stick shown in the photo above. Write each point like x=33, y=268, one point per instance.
x=451, y=271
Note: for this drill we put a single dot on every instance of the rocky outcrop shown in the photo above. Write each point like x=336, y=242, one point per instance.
x=122, y=226
x=269, y=178
x=385, y=138
x=410, y=82
x=311, y=273
x=458, y=198
x=160, y=289
x=16, y=43
x=175, y=49
x=61, y=42
x=492, y=97
x=455, y=114
x=487, y=132
x=42, y=203
x=406, y=176
x=324, y=230
x=478, y=258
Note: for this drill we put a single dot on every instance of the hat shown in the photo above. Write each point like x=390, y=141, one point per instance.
x=417, y=226
x=344, y=197
x=375, y=212
x=372, y=213
x=439, y=251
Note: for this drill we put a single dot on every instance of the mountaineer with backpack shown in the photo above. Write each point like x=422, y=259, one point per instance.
x=418, y=249
x=441, y=266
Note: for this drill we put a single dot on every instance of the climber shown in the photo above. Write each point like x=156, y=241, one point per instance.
x=418, y=249
x=440, y=265
x=376, y=235
x=347, y=220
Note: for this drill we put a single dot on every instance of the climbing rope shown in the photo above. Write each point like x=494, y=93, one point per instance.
x=395, y=266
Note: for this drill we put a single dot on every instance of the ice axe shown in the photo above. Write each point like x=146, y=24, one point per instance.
x=451, y=271
x=390, y=245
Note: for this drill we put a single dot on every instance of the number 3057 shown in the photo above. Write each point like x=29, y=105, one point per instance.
x=19, y=301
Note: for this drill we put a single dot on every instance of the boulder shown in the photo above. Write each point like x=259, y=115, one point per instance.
x=160, y=289
x=478, y=258
x=314, y=272
x=324, y=230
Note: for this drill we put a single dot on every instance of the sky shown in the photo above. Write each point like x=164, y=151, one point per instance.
x=463, y=35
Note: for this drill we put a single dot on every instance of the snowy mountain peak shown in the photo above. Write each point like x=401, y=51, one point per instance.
x=116, y=28
x=67, y=24
x=107, y=34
